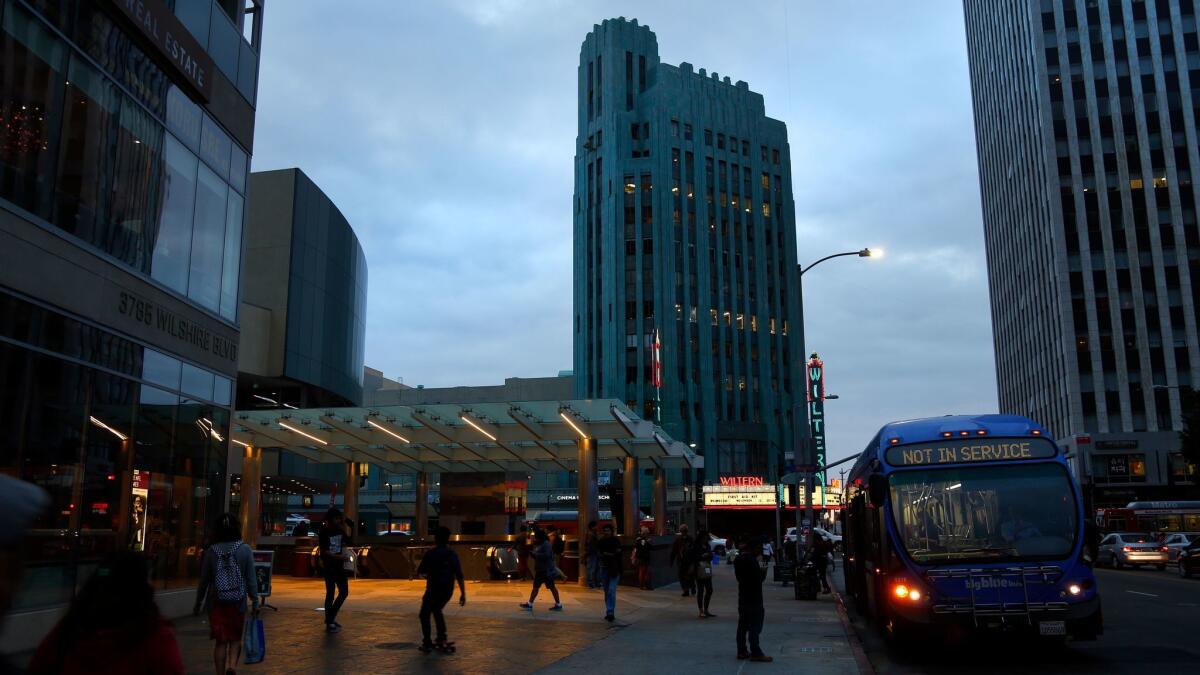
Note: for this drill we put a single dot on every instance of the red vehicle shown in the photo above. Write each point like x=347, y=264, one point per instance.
x=1150, y=516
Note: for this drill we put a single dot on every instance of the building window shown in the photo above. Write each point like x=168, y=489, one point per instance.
x=774, y=155
x=687, y=132
x=708, y=137
x=1127, y=468
x=1181, y=470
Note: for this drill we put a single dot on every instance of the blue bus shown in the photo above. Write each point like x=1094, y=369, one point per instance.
x=968, y=523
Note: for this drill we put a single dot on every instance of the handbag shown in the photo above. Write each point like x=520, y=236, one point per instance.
x=254, y=640
x=704, y=569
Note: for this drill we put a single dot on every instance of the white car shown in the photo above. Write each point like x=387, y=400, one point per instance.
x=835, y=538
x=719, y=544
x=1177, y=542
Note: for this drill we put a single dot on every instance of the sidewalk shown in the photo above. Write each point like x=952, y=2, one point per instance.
x=655, y=631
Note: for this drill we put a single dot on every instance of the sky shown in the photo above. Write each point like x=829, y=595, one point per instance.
x=445, y=133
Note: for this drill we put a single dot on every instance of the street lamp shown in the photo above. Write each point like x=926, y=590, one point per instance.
x=861, y=253
x=809, y=482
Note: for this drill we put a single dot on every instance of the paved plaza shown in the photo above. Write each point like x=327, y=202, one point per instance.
x=656, y=631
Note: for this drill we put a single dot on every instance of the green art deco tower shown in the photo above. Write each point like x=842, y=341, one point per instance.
x=685, y=239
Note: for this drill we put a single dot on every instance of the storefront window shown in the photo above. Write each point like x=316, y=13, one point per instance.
x=134, y=220
x=1181, y=470
x=90, y=115
x=232, y=264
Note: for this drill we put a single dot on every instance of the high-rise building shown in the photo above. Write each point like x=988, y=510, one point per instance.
x=687, y=301
x=125, y=137
x=1086, y=125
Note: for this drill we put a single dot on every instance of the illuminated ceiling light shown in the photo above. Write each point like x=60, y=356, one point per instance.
x=268, y=400
x=476, y=427
x=109, y=429
x=572, y=424
x=389, y=432
x=309, y=436
x=234, y=440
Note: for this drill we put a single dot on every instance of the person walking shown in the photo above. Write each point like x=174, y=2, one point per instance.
x=112, y=626
x=557, y=545
x=751, y=614
x=589, y=556
x=544, y=571
x=334, y=543
x=681, y=557
x=641, y=558
x=609, y=550
x=226, y=582
x=442, y=569
x=702, y=552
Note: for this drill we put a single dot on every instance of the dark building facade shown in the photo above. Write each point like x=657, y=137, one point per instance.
x=684, y=230
x=1086, y=124
x=304, y=298
x=122, y=184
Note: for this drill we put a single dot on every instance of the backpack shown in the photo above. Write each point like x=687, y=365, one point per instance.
x=229, y=582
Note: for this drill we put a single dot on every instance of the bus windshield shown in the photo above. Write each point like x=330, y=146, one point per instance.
x=984, y=513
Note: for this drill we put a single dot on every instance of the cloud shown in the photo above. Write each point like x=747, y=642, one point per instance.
x=445, y=133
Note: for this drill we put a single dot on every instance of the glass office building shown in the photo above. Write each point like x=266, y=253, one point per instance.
x=687, y=302
x=125, y=137
x=1086, y=123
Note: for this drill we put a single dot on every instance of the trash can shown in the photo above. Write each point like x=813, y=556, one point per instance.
x=302, y=560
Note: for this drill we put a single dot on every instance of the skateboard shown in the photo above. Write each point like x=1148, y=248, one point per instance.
x=443, y=647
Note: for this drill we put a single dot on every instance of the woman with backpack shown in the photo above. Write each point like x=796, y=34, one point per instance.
x=112, y=627
x=226, y=582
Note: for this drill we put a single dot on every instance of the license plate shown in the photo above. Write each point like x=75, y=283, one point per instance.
x=1052, y=627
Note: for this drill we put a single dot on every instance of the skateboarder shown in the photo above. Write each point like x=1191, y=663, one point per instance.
x=442, y=569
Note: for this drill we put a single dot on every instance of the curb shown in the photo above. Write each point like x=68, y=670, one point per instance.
x=856, y=646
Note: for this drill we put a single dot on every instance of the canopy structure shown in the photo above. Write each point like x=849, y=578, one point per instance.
x=518, y=436
x=582, y=436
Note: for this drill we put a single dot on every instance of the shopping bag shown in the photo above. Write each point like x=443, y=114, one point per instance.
x=254, y=640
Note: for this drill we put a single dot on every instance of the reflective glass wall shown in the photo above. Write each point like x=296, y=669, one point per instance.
x=95, y=140
x=129, y=443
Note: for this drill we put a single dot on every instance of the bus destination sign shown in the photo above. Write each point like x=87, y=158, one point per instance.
x=967, y=451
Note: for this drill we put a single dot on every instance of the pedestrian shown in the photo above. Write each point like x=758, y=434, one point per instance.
x=751, y=614
x=609, y=549
x=226, y=582
x=557, y=545
x=641, y=558
x=681, y=557
x=589, y=555
x=822, y=549
x=768, y=550
x=702, y=552
x=442, y=569
x=544, y=571
x=22, y=504
x=112, y=626
x=334, y=544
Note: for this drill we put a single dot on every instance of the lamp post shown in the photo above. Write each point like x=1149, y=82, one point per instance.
x=810, y=450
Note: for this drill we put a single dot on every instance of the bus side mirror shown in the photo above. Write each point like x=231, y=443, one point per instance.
x=877, y=489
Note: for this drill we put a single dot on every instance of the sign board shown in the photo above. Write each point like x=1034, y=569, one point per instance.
x=970, y=450
x=263, y=563
x=816, y=413
x=172, y=41
x=138, y=509
x=742, y=480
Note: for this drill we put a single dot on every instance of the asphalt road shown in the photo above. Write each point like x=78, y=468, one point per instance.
x=1151, y=624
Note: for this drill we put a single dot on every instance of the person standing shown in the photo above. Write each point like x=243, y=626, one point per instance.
x=442, y=569
x=334, y=543
x=751, y=614
x=112, y=626
x=681, y=557
x=589, y=556
x=641, y=558
x=609, y=550
x=557, y=545
x=702, y=552
x=822, y=549
x=544, y=571
x=226, y=582
x=22, y=504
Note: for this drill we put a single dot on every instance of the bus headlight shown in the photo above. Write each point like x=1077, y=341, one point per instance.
x=902, y=591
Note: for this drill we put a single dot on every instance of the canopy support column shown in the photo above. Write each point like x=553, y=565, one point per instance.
x=589, y=506
x=660, y=501
x=350, y=498
x=633, y=514
x=249, y=512
x=421, y=510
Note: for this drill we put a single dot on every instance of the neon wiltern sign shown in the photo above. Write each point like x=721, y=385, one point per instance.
x=816, y=412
